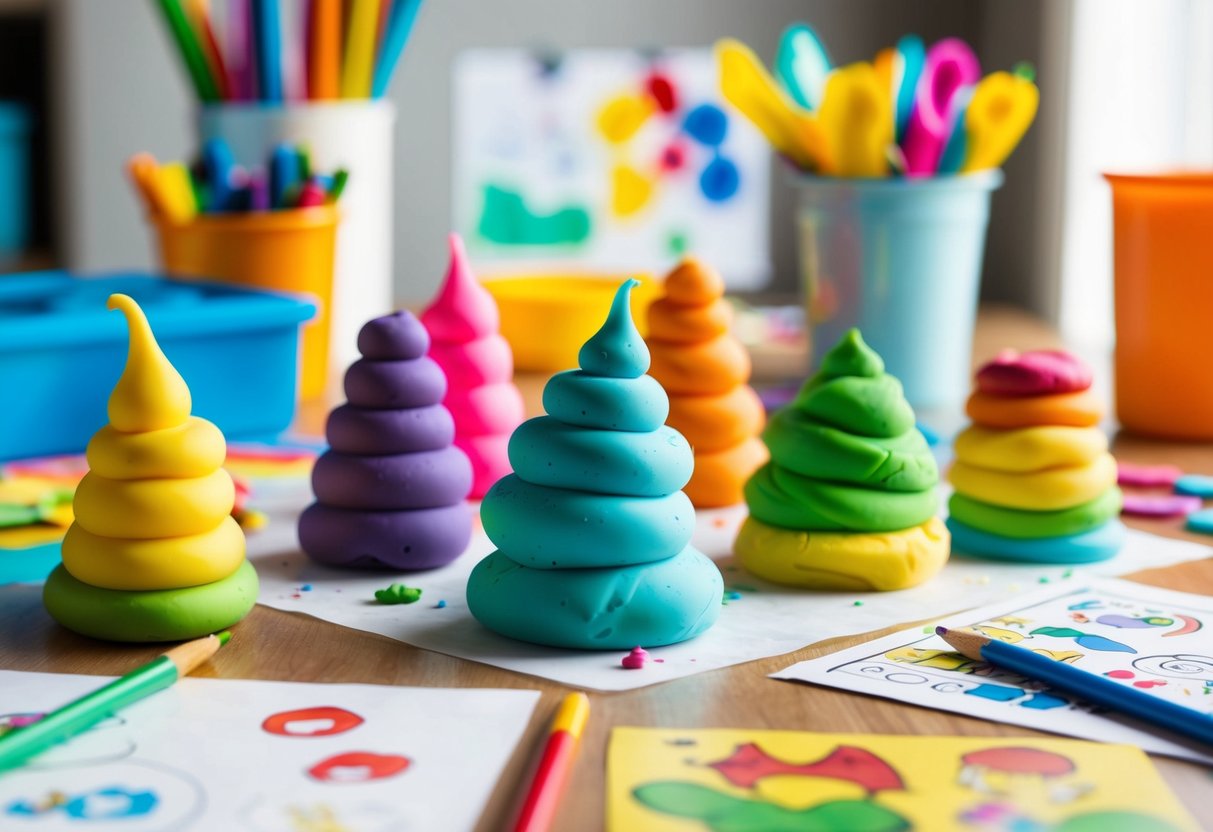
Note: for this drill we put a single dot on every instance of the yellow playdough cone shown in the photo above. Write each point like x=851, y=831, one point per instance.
x=857, y=117
x=151, y=394
x=1000, y=112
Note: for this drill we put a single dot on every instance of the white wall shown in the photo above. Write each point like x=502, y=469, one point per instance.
x=122, y=90
x=1140, y=99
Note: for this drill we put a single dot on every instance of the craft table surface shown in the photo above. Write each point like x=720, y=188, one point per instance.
x=284, y=646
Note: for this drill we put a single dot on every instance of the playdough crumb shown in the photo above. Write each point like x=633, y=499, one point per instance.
x=857, y=603
x=306, y=587
x=636, y=659
x=398, y=594
x=1043, y=579
x=441, y=605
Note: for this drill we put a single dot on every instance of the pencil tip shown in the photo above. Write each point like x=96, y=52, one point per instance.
x=224, y=637
x=941, y=631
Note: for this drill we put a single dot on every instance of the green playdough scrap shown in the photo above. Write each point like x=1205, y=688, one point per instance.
x=398, y=594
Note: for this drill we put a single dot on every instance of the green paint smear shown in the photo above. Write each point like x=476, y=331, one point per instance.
x=720, y=812
x=398, y=594
x=507, y=220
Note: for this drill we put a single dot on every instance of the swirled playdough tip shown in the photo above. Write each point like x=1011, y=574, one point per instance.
x=464, y=310
x=851, y=356
x=693, y=283
x=150, y=394
x=616, y=350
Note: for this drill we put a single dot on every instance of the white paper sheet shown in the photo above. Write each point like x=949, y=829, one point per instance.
x=762, y=620
x=1153, y=639
x=212, y=754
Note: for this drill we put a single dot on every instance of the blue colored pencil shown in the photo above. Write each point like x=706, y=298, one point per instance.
x=396, y=34
x=1185, y=722
x=267, y=44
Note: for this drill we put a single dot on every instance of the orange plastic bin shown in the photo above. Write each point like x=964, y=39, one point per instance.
x=285, y=251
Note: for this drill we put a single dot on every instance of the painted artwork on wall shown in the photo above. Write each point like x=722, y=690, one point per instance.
x=606, y=161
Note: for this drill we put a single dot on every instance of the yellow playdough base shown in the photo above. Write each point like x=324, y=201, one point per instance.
x=839, y=561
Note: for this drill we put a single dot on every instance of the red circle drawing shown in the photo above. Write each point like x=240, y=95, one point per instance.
x=285, y=724
x=358, y=767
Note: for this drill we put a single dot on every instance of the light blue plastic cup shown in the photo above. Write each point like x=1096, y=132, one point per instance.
x=901, y=260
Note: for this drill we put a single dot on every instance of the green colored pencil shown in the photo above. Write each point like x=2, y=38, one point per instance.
x=191, y=49
x=76, y=717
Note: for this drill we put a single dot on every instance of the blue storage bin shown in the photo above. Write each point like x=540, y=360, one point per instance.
x=62, y=351
x=14, y=179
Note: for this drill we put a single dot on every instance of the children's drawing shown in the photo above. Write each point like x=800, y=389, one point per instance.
x=731, y=780
x=323, y=721
x=358, y=767
x=918, y=667
x=606, y=160
x=328, y=816
x=1090, y=641
x=212, y=754
x=104, y=742
x=132, y=794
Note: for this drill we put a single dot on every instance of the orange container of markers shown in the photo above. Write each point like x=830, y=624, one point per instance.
x=1163, y=266
x=285, y=251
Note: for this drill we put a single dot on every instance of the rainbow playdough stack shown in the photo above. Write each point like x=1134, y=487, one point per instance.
x=390, y=490
x=463, y=323
x=704, y=369
x=1033, y=477
x=154, y=553
x=592, y=529
x=848, y=499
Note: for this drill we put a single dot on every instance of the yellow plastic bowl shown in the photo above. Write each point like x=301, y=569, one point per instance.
x=546, y=318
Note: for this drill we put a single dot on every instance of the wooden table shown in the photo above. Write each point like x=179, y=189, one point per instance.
x=285, y=646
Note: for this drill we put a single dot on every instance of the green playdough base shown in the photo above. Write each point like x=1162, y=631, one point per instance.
x=1027, y=525
x=155, y=615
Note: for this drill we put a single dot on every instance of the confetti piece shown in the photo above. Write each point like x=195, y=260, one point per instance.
x=636, y=659
x=857, y=603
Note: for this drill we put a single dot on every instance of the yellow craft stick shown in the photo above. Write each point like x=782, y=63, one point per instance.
x=1000, y=112
x=748, y=86
x=174, y=194
x=856, y=114
x=360, y=50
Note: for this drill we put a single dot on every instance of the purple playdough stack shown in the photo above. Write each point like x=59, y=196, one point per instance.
x=390, y=492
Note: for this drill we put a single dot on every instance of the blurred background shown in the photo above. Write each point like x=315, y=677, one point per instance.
x=1123, y=85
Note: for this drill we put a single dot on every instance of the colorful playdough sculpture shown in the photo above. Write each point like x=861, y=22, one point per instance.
x=704, y=369
x=1034, y=480
x=593, y=533
x=463, y=325
x=390, y=492
x=154, y=553
x=848, y=499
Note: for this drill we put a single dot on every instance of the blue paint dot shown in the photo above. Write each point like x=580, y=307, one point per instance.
x=707, y=124
x=441, y=605
x=719, y=180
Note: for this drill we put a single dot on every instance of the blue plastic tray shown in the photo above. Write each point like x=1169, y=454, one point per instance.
x=62, y=351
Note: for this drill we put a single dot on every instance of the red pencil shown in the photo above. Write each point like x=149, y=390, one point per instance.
x=540, y=805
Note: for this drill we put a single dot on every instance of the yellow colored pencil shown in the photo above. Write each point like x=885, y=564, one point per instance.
x=360, y=49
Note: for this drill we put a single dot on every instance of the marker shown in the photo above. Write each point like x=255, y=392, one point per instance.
x=267, y=45
x=219, y=165
x=360, y=49
x=324, y=68
x=18, y=746
x=539, y=807
x=284, y=174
